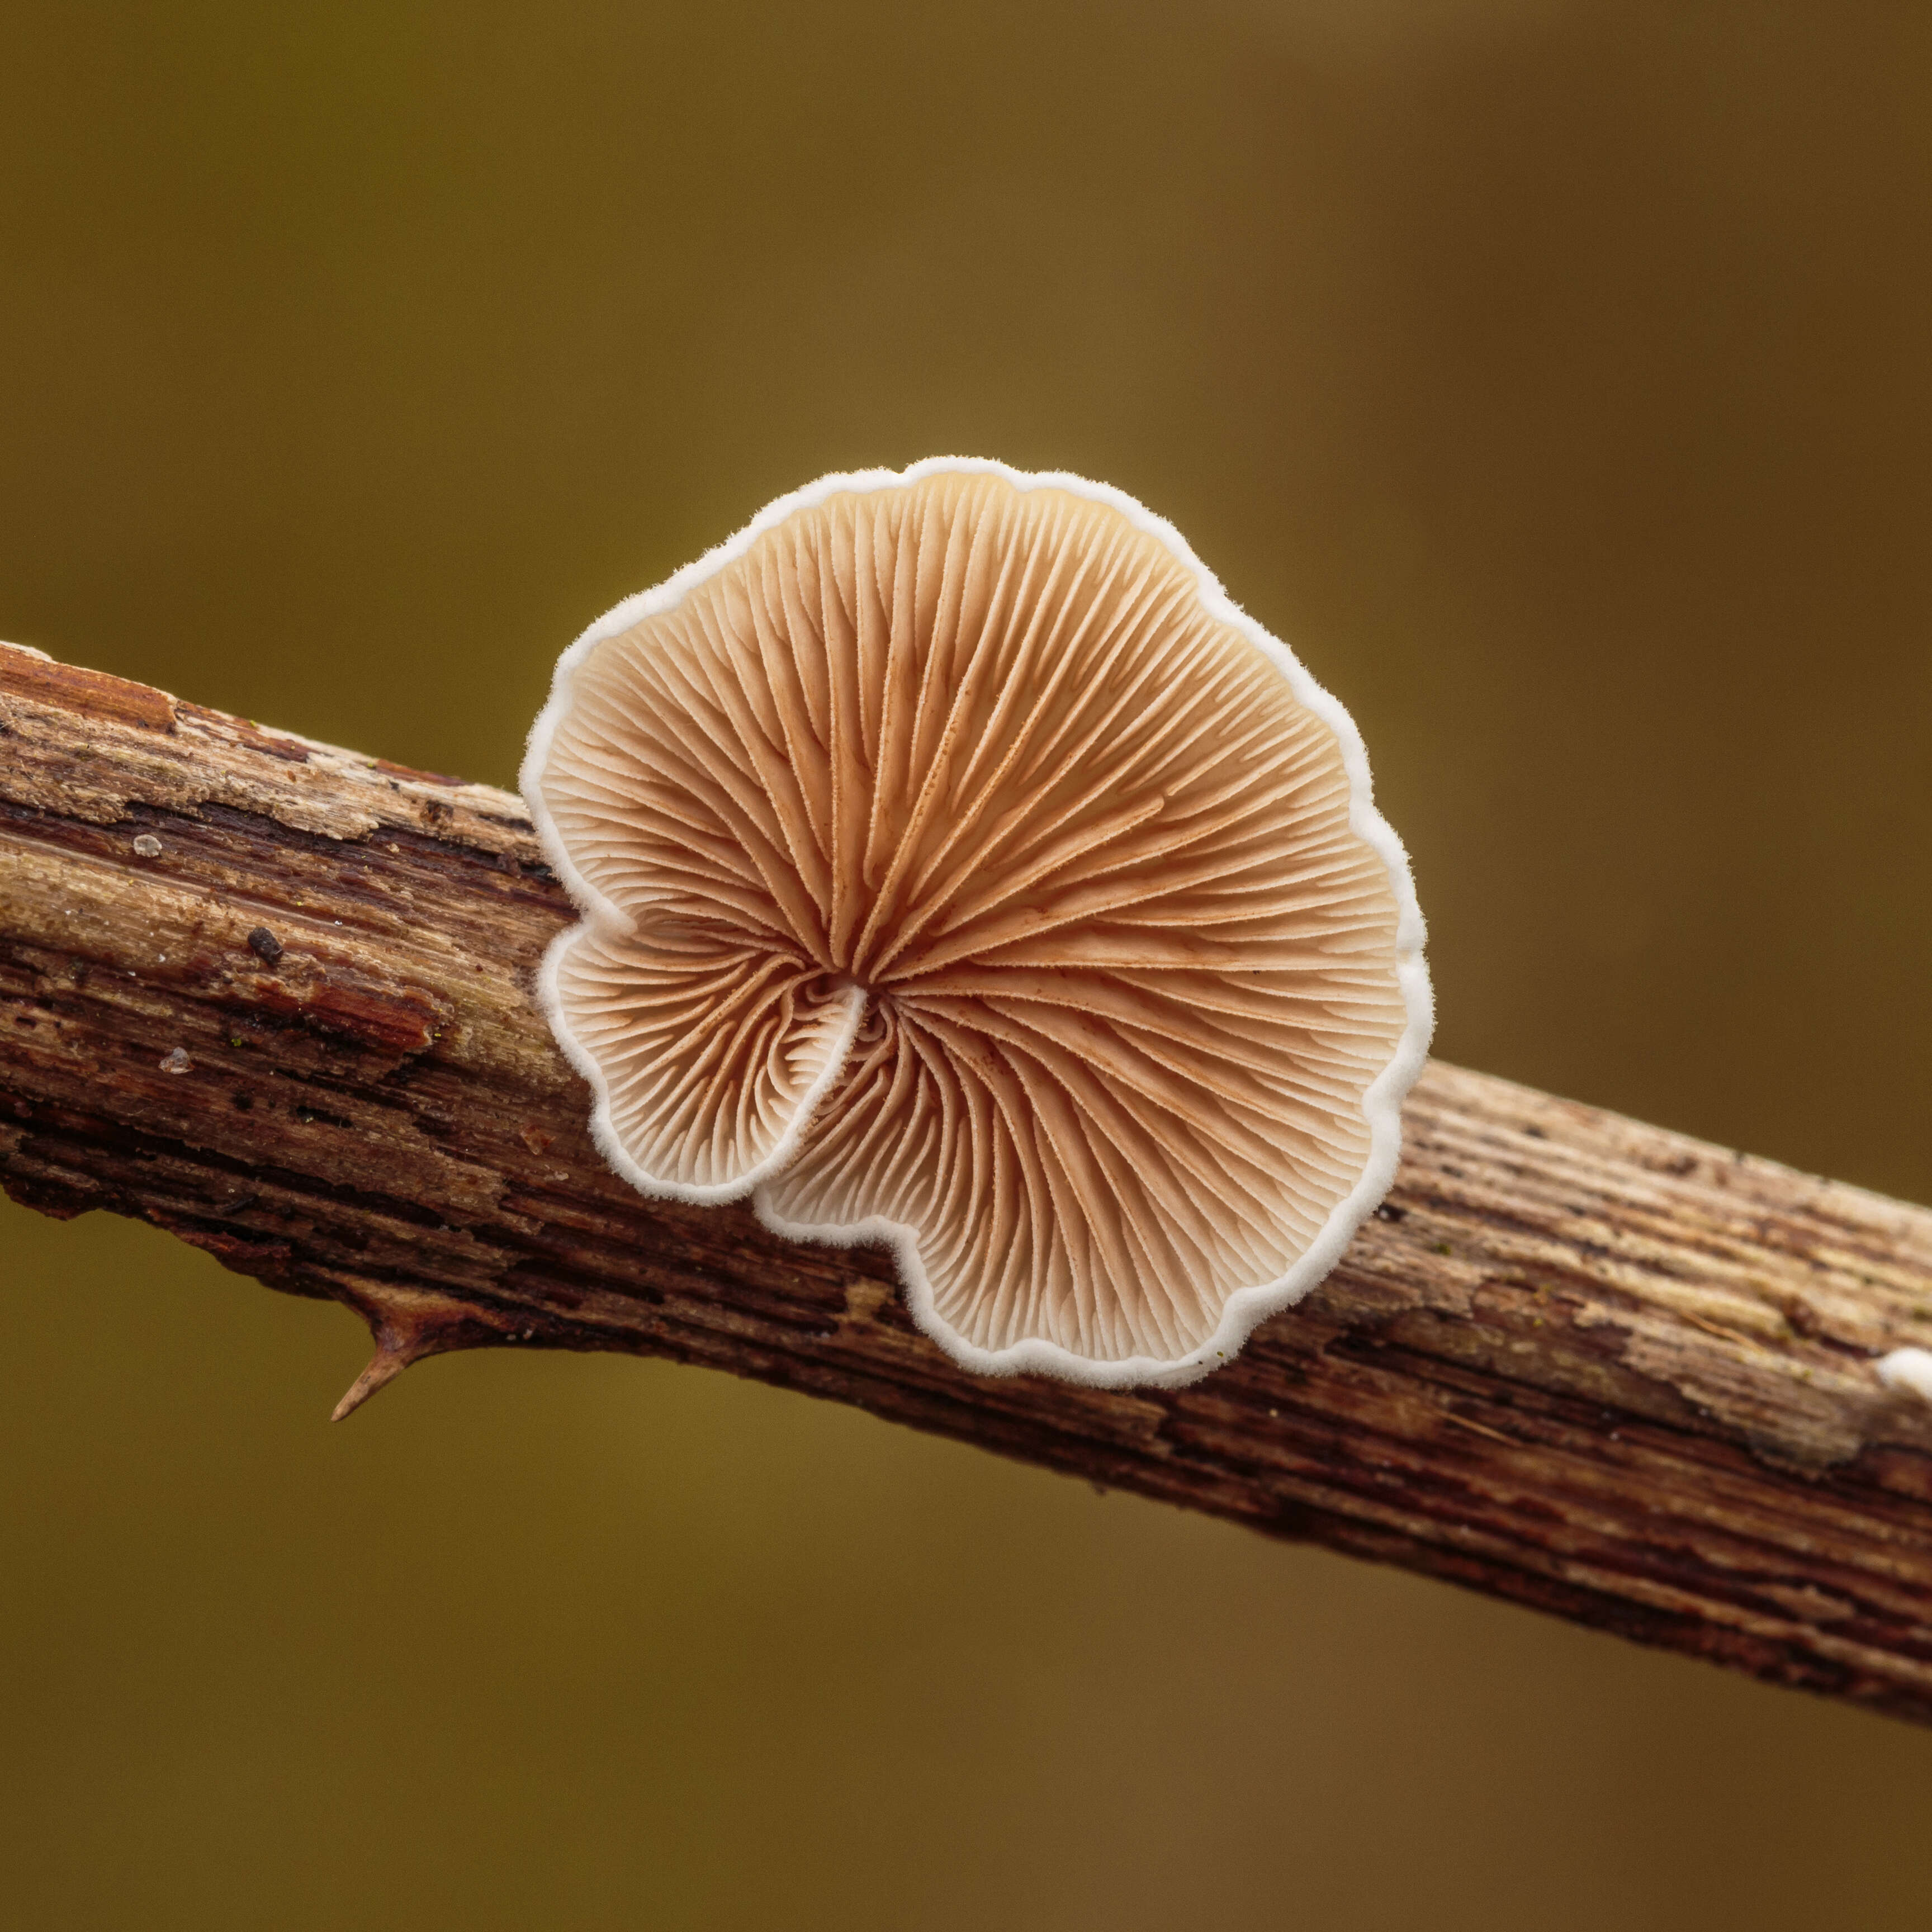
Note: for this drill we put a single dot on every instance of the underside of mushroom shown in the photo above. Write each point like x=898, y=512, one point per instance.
x=961, y=870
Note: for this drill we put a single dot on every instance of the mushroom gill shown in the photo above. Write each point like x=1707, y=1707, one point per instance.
x=962, y=870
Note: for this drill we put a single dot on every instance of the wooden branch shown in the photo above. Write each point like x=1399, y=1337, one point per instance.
x=274, y=997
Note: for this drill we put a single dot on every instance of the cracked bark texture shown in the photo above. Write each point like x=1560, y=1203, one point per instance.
x=274, y=997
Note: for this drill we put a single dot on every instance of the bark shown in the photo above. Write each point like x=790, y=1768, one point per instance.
x=274, y=997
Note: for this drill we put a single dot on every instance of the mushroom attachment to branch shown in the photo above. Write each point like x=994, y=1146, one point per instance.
x=961, y=869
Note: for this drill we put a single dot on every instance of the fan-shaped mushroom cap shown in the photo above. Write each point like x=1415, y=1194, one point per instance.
x=961, y=869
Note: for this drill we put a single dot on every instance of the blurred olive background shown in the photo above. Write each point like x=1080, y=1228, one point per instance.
x=1552, y=376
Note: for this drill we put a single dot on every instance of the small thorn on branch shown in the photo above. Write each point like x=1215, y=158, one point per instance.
x=385, y=1366
x=407, y=1326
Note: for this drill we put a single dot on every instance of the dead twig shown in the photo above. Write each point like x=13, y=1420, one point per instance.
x=273, y=996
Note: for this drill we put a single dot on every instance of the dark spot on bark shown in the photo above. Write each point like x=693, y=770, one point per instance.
x=242, y=1103
x=265, y=945
x=1388, y=1211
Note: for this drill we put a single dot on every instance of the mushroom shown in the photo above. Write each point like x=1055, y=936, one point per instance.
x=1907, y=1368
x=960, y=869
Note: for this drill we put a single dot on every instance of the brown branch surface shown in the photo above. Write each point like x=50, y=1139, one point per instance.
x=274, y=997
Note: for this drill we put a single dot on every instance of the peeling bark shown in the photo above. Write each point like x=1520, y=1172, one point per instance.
x=274, y=997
